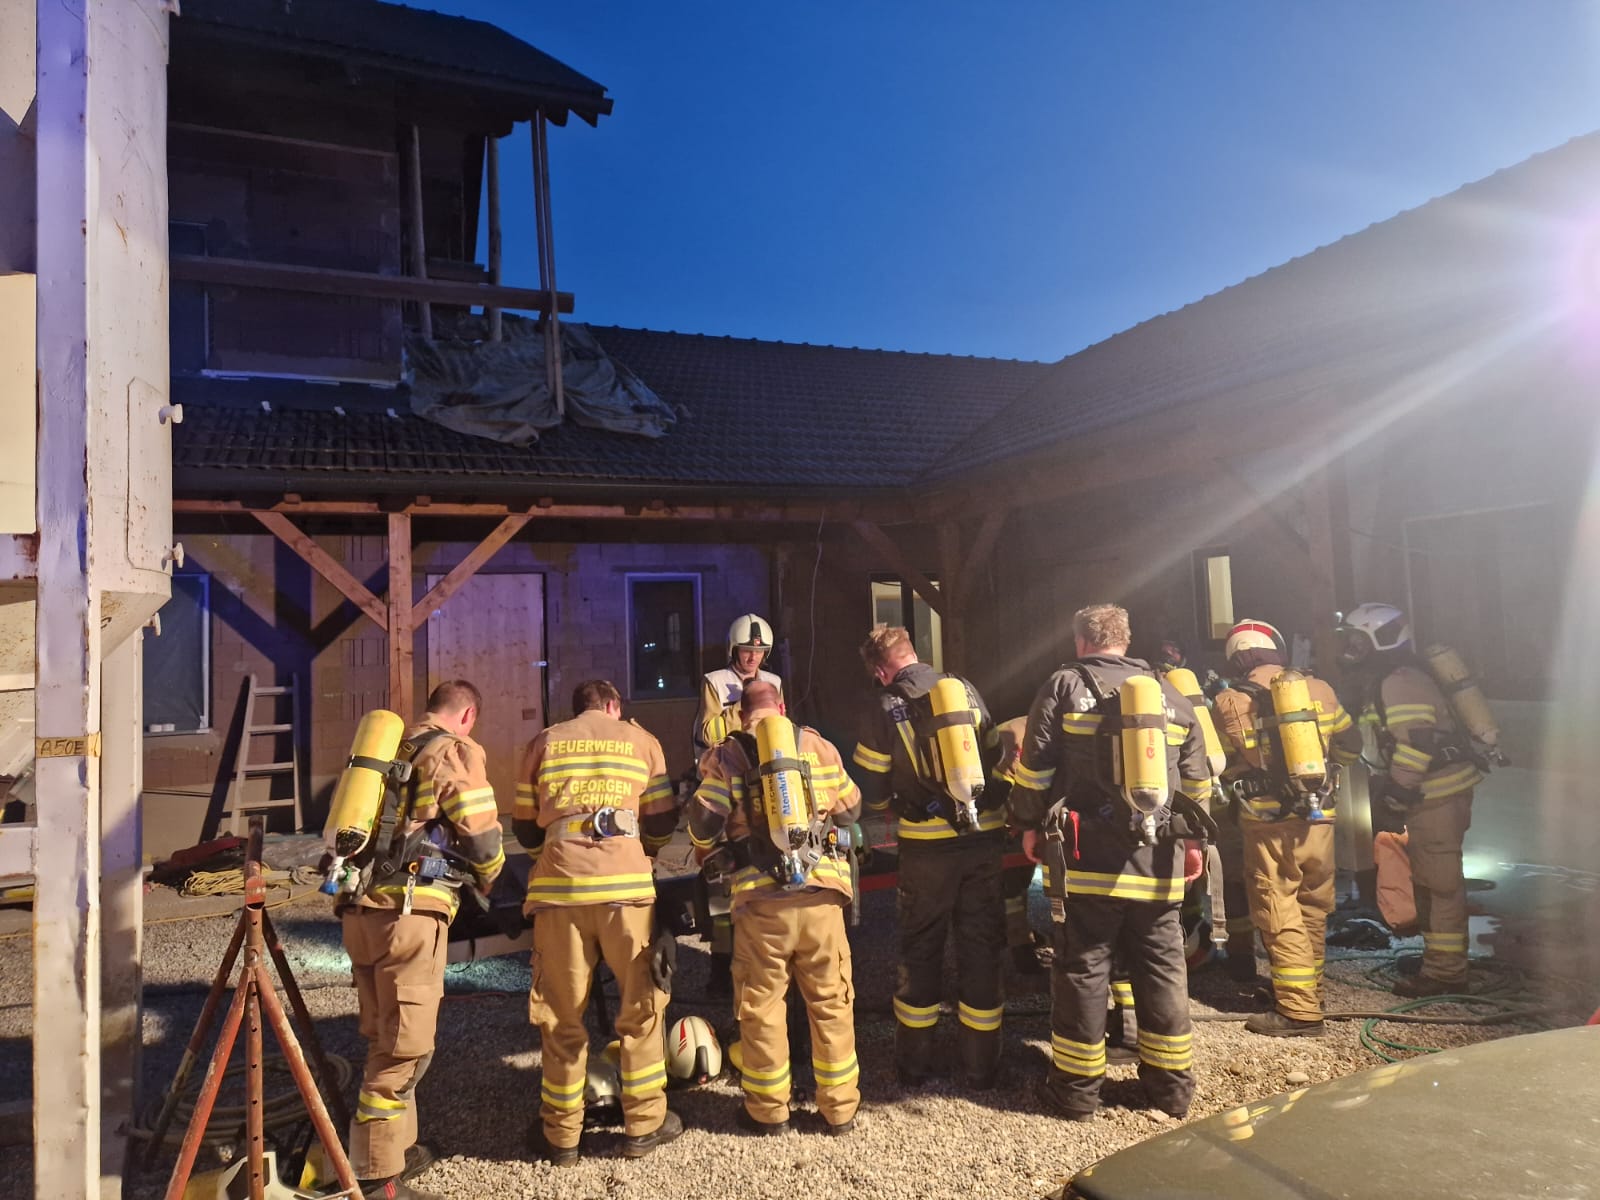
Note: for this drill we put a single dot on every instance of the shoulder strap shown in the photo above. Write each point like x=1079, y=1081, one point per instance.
x=752, y=758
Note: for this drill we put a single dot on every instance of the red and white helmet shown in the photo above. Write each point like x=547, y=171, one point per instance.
x=1252, y=635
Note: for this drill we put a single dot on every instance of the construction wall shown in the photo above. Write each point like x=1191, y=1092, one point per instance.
x=273, y=616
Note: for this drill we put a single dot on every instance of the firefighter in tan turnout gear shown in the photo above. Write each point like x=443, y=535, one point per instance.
x=920, y=748
x=773, y=798
x=1285, y=811
x=1424, y=770
x=438, y=832
x=749, y=644
x=1112, y=774
x=593, y=805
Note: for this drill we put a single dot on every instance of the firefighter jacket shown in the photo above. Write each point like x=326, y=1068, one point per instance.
x=1066, y=757
x=1418, y=741
x=449, y=796
x=727, y=806
x=720, y=693
x=1251, y=748
x=573, y=771
x=897, y=768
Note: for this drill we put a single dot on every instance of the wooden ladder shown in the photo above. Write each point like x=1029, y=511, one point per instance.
x=272, y=728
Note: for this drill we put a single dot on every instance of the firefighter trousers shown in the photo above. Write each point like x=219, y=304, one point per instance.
x=1435, y=832
x=1241, y=930
x=1014, y=885
x=569, y=941
x=800, y=941
x=1149, y=936
x=398, y=964
x=950, y=891
x=1289, y=868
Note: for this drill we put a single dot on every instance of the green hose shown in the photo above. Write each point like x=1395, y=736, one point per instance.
x=1380, y=1045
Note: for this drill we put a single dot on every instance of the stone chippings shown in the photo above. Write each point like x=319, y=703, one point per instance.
x=480, y=1098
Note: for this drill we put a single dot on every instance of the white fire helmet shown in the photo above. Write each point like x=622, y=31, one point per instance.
x=749, y=632
x=1252, y=635
x=1372, y=629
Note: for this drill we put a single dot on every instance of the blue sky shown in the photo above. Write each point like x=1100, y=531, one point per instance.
x=1017, y=179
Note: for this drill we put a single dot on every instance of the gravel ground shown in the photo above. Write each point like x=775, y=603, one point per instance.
x=480, y=1098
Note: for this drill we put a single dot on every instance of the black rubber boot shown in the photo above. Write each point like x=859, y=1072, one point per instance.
x=760, y=1128
x=669, y=1129
x=1275, y=1024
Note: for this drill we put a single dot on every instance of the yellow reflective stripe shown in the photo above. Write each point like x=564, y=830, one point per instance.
x=491, y=865
x=1027, y=777
x=1449, y=943
x=1410, y=714
x=1176, y=734
x=833, y=1074
x=1337, y=723
x=1462, y=778
x=1015, y=904
x=764, y=1083
x=1123, y=887
x=1122, y=992
x=1166, y=1060
x=563, y=1096
x=1295, y=977
x=527, y=802
x=752, y=879
x=938, y=827
x=982, y=1019
x=372, y=1107
x=1076, y=722
x=1196, y=789
x=1078, y=1058
x=700, y=843
x=655, y=843
x=660, y=789
x=646, y=1079
x=1410, y=756
x=592, y=889
x=913, y=1017
x=1167, y=1041
x=872, y=760
x=469, y=803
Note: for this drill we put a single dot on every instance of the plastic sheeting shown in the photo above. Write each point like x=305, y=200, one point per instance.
x=497, y=389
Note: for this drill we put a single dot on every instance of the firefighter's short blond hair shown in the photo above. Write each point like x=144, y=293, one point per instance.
x=1102, y=626
x=886, y=645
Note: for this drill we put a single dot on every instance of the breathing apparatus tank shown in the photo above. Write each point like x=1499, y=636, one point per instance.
x=358, y=796
x=955, y=747
x=1305, y=760
x=1467, y=700
x=787, y=800
x=1189, y=688
x=1143, y=760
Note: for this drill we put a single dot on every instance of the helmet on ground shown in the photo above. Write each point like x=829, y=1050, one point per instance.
x=1372, y=629
x=1253, y=637
x=750, y=632
x=692, y=1052
x=602, y=1091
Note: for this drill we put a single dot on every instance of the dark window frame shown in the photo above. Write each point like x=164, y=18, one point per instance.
x=691, y=689
x=207, y=715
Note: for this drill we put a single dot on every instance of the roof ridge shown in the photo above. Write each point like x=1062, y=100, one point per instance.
x=757, y=341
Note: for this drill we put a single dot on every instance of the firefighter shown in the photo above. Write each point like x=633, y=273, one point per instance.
x=594, y=804
x=1423, y=772
x=1123, y=865
x=1288, y=835
x=396, y=930
x=950, y=863
x=749, y=644
x=1016, y=879
x=784, y=933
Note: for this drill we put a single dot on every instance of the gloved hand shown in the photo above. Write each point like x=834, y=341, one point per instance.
x=1397, y=799
x=663, y=959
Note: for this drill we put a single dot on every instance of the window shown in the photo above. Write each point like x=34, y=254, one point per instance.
x=893, y=600
x=663, y=636
x=1214, y=592
x=177, y=665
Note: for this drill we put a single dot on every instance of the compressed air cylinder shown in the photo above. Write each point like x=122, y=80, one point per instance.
x=1467, y=700
x=783, y=791
x=1304, y=758
x=1144, y=745
x=959, y=762
x=1189, y=688
x=358, y=796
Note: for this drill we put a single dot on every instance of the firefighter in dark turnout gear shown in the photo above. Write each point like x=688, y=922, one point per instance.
x=396, y=930
x=949, y=864
x=1124, y=874
x=1017, y=880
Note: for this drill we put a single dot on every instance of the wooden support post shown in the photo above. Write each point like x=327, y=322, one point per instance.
x=547, y=257
x=954, y=615
x=121, y=897
x=467, y=568
x=66, y=907
x=1320, y=587
x=401, y=681
x=492, y=157
x=875, y=537
x=419, y=249
x=324, y=564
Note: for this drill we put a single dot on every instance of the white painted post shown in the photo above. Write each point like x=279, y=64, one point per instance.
x=121, y=903
x=66, y=918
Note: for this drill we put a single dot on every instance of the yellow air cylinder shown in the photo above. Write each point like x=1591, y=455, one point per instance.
x=960, y=765
x=1304, y=758
x=1189, y=688
x=1466, y=697
x=358, y=797
x=784, y=796
x=1144, y=745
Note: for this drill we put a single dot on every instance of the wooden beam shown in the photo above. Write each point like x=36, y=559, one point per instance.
x=324, y=564
x=796, y=512
x=402, y=683
x=327, y=281
x=419, y=252
x=468, y=567
x=875, y=537
x=492, y=144
x=971, y=563
x=954, y=616
x=547, y=258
